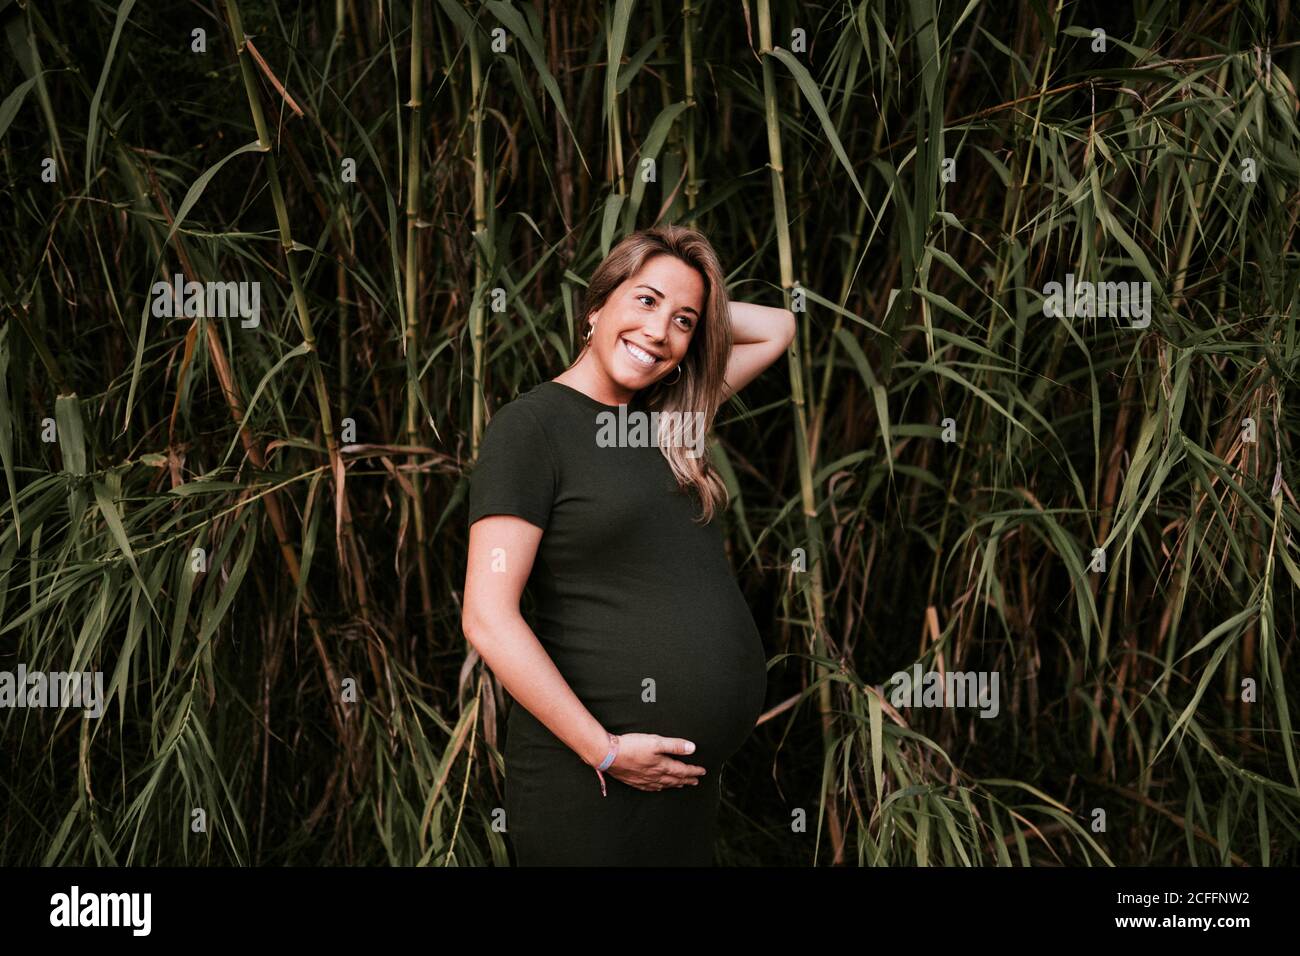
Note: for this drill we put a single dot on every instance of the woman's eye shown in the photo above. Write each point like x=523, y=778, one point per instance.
x=686, y=320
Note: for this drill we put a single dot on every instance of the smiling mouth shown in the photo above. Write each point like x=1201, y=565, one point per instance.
x=640, y=355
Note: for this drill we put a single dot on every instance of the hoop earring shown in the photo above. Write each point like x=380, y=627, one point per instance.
x=678, y=378
x=591, y=330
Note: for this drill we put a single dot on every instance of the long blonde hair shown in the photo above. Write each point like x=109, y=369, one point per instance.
x=699, y=387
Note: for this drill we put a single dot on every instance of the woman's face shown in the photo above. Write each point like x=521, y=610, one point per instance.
x=645, y=326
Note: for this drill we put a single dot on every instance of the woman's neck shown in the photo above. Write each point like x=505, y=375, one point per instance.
x=584, y=376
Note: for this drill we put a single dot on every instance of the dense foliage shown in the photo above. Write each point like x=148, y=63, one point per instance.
x=256, y=532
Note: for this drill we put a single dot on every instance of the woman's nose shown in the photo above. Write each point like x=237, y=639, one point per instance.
x=656, y=326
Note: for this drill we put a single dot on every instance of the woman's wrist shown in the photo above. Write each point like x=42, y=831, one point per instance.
x=606, y=763
x=599, y=748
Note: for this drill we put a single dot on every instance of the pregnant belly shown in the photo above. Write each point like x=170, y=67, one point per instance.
x=693, y=672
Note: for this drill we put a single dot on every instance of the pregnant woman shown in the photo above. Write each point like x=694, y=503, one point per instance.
x=645, y=665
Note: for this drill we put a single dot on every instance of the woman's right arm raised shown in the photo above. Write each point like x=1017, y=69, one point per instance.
x=501, y=552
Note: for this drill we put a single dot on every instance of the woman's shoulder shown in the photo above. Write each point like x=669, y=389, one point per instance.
x=521, y=413
x=530, y=407
x=516, y=470
x=533, y=419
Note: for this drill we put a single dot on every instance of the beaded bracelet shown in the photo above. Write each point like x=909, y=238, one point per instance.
x=605, y=764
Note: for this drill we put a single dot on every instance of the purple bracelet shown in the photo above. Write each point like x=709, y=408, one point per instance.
x=604, y=764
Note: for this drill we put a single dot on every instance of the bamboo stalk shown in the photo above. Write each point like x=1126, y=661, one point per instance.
x=411, y=339
x=304, y=319
x=477, y=316
x=812, y=528
x=689, y=16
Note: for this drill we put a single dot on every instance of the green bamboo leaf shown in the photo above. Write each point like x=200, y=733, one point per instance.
x=995, y=824
x=113, y=518
x=1233, y=623
x=514, y=22
x=1261, y=820
x=650, y=149
x=52, y=856
x=1046, y=23
x=92, y=125
x=72, y=449
x=1283, y=712
x=122, y=672
x=950, y=826
x=878, y=394
x=719, y=459
x=200, y=184
x=187, y=579
x=1114, y=228
x=310, y=535
x=1021, y=785
x=633, y=66
x=7, y=441
x=809, y=87
x=875, y=714
x=206, y=486
x=1206, y=675
x=71, y=435
x=617, y=40
x=922, y=849
x=302, y=348
x=12, y=103
x=215, y=614
x=609, y=221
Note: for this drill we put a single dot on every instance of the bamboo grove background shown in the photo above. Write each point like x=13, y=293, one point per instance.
x=500, y=150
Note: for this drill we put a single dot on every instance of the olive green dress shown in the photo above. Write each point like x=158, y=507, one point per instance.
x=639, y=609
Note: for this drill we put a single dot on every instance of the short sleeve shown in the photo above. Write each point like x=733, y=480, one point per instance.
x=515, y=473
